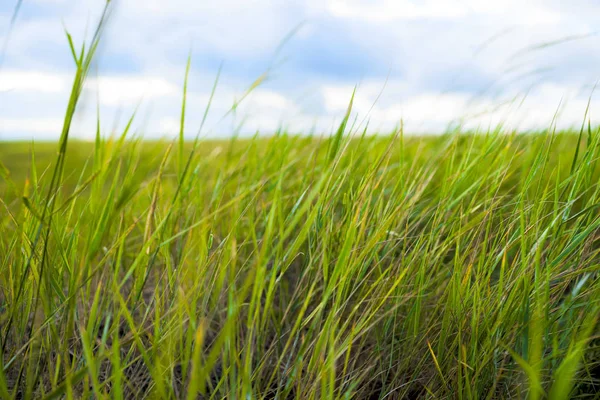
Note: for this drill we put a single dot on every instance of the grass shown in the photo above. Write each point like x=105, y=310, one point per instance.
x=458, y=266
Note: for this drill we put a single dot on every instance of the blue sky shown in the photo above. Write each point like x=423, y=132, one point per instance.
x=427, y=63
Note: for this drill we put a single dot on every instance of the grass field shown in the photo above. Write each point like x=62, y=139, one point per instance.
x=300, y=267
x=460, y=266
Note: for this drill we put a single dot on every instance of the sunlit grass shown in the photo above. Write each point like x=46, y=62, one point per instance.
x=351, y=266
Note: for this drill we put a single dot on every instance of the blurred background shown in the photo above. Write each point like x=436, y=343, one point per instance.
x=432, y=64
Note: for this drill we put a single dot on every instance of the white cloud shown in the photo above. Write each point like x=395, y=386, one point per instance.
x=114, y=90
x=31, y=126
x=266, y=110
x=434, y=112
x=130, y=90
x=52, y=2
x=231, y=27
x=337, y=98
x=389, y=10
x=32, y=81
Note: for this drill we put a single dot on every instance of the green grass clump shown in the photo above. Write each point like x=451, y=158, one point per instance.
x=372, y=267
x=461, y=265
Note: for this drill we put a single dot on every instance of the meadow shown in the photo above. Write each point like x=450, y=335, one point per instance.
x=343, y=266
x=461, y=266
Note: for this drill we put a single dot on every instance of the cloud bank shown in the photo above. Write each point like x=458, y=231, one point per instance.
x=432, y=64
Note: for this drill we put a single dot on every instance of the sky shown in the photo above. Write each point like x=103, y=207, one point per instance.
x=432, y=65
